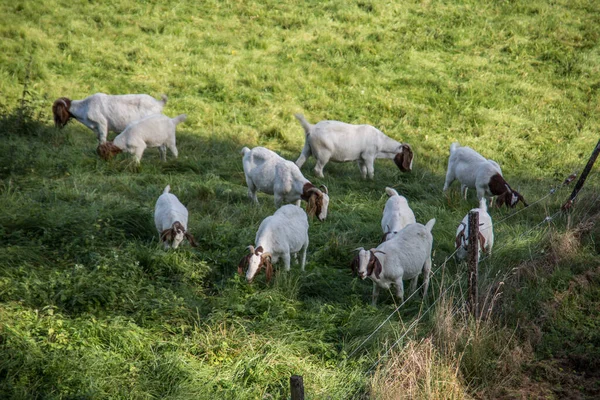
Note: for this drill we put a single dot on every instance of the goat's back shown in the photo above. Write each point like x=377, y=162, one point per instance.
x=344, y=141
x=120, y=110
x=286, y=229
x=169, y=209
x=407, y=251
x=154, y=130
x=267, y=169
x=396, y=214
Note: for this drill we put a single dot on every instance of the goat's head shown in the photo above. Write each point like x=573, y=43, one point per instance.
x=506, y=195
x=60, y=110
x=254, y=262
x=365, y=263
x=404, y=159
x=108, y=150
x=175, y=235
x=511, y=198
x=318, y=200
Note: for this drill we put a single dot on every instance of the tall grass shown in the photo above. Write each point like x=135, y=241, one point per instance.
x=91, y=306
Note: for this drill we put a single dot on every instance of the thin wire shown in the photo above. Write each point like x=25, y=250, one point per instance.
x=547, y=219
x=411, y=326
x=397, y=308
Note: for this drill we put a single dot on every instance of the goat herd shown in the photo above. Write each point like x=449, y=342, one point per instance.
x=405, y=252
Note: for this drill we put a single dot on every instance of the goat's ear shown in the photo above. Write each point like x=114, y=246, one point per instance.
x=371, y=264
x=167, y=235
x=268, y=268
x=259, y=249
x=378, y=267
x=60, y=110
x=501, y=199
x=191, y=239
x=403, y=160
x=311, y=207
x=459, y=239
x=243, y=263
x=481, y=242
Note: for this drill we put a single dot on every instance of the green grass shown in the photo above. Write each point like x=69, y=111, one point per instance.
x=92, y=307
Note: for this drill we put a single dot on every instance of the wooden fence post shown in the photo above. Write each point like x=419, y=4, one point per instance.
x=473, y=257
x=297, y=387
x=569, y=203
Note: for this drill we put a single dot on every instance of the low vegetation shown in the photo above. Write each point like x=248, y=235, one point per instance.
x=91, y=306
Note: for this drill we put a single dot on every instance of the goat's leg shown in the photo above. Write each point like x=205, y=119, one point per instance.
x=375, y=294
x=363, y=168
x=173, y=149
x=449, y=179
x=138, y=152
x=413, y=283
x=426, y=274
x=303, y=250
x=322, y=160
x=162, y=149
x=286, y=261
x=304, y=155
x=400, y=289
x=463, y=190
x=370, y=168
x=101, y=131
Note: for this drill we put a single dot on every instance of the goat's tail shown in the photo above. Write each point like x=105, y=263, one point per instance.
x=430, y=224
x=391, y=192
x=307, y=127
x=164, y=98
x=244, y=151
x=180, y=118
x=483, y=204
x=453, y=147
x=167, y=189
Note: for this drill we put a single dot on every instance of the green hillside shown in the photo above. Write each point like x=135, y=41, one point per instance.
x=92, y=307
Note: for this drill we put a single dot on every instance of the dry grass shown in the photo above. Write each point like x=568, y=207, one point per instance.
x=418, y=371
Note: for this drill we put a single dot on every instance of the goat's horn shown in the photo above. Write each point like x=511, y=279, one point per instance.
x=358, y=249
x=324, y=189
x=508, y=188
x=376, y=251
x=264, y=255
x=251, y=248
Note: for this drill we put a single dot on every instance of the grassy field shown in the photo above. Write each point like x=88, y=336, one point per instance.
x=92, y=307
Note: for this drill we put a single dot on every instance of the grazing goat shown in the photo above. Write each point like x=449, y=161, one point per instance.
x=171, y=218
x=486, y=233
x=396, y=214
x=279, y=236
x=267, y=172
x=403, y=257
x=156, y=130
x=473, y=171
x=102, y=113
x=341, y=142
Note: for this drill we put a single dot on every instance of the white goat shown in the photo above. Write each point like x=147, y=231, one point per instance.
x=171, y=219
x=156, y=130
x=266, y=171
x=403, y=257
x=396, y=214
x=486, y=233
x=279, y=236
x=102, y=113
x=473, y=171
x=341, y=142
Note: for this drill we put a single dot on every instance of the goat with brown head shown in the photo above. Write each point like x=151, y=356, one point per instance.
x=318, y=200
x=254, y=262
x=174, y=236
x=60, y=110
x=365, y=263
x=404, y=159
x=506, y=195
